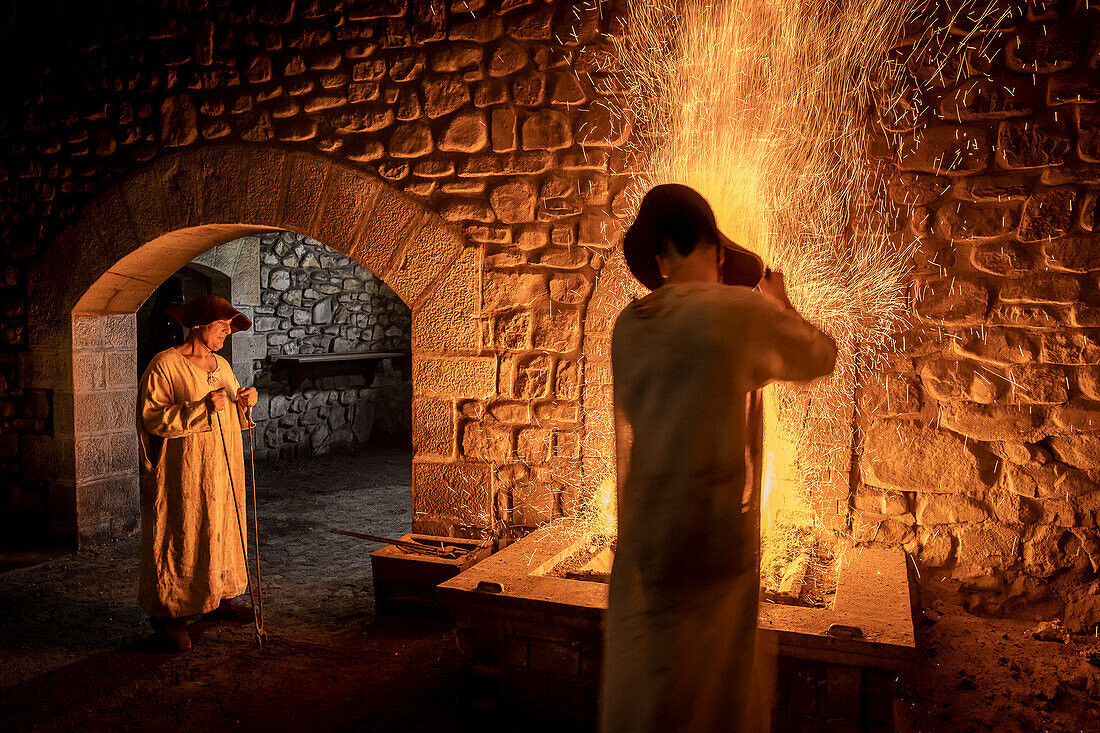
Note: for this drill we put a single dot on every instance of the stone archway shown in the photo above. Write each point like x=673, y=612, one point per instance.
x=95, y=275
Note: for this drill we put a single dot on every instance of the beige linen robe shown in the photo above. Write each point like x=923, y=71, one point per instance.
x=191, y=555
x=687, y=362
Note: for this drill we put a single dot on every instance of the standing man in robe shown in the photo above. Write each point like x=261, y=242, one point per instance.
x=687, y=361
x=191, y=411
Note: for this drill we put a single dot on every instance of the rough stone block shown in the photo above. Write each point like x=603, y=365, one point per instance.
x=504, y=133
x=465, y=133
x=1002, y=258
x=991, y=422
x=446, y=321
x=1069, y=347
x=982, y=98
x=556, y=328
x=947, y=381
x=120, y=331
x=1049, y=480
x=604, y=125
x=487, y=441
x=1088, y=132
x=599, y=230
x=1077, y=450
x=947, y=509
x=508, y=58
x=305, y=176
x=427, y=256
x=533, y=445
x=936, y=546
x=94, y=410
x=260, y=199
x=1047, y=214
x=88, y=372
x=349, y=196
x=467, y=377
x=1044, y=288
x=386, y=227
x=481, y=30
x=223, y=182
x=87, y=332
x=444, y=94
x=434, y=427
x=987, y=545
x=507, y=289
x=514, y=202
x=1076, y=415
x=1032, y=144
x=546, y=130
x=945, y=150
x=529, y=88
x=951, y=300
x=967, y=222
x=124, y=452
x=460, y=492
x=907, y=456
x=1000, y=346
x=1036, y=385
x=413, y=140
x=179, y=121
x=108, y=508
x=1045, y=49
x=93, y=457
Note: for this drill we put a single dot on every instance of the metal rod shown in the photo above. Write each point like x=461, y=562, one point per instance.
x=256, y=529
x=406, y=544
x=240, y=528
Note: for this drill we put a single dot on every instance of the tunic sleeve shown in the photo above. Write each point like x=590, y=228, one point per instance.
x=788, y=349
x=162, y=416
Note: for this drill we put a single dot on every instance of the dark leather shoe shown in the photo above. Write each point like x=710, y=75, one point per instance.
x=174, y=633
x=236, y=609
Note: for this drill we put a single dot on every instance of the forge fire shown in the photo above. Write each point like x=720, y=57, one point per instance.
x=419, y=207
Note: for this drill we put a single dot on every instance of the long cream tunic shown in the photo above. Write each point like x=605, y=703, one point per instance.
x=191, y=555
x=687, y=362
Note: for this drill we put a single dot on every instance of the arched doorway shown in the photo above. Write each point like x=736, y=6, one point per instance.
x=138, y=233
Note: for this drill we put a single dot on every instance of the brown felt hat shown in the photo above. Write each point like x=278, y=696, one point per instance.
x=207, y=309
x=674, y=209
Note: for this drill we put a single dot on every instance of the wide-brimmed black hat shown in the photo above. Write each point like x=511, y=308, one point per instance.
x=673, y=209
x=207, y=309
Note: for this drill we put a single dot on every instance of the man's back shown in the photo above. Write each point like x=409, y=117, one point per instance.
x=687, y=360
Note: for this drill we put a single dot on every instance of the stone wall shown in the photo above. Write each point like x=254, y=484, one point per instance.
x=981, y=441
x=496, y=117
x=314, y=300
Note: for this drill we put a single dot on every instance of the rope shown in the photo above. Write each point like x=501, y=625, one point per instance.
x=240, y=531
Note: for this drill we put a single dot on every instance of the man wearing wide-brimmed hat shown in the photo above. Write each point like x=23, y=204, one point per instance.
x=191, y=411
x=687, y=361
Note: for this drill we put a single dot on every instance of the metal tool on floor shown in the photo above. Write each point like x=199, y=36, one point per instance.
x=413, y=546
x=257, y=609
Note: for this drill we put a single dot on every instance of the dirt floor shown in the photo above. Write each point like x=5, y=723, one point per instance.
x=77, y=655
x=980, y=674
x=75, y=651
